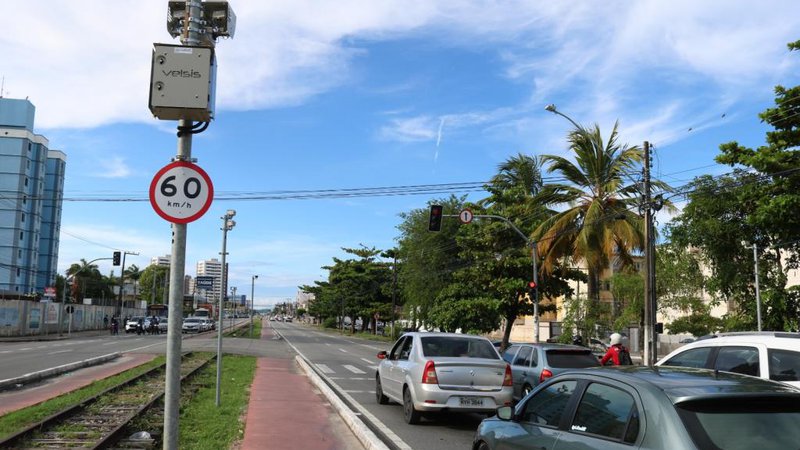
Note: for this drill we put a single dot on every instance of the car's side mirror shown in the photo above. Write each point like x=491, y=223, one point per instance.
x=382, y=355
x=505, y=413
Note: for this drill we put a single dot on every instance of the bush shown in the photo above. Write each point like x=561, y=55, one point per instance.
x=330, y=322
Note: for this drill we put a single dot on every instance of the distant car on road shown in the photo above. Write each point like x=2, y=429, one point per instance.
x=770, y=355
x=442, y=372
x=661, y=408
x=532, y=364
x=192, y=325
x=133, y=322
x=162, y=324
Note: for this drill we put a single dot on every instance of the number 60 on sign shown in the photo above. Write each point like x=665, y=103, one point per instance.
x=181, y=192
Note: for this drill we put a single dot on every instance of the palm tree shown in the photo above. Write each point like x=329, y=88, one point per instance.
x=133, y=273
x=599, y=224
x=82, y=271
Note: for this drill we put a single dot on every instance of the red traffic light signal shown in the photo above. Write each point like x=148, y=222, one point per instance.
x=531, y=285
x=435, y=219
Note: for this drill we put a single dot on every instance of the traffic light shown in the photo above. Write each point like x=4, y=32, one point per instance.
x=531, y=288
x=435, y=221
x=659, y=327
x=117, y=257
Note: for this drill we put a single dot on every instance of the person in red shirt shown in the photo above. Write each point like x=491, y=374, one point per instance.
x=617, y=353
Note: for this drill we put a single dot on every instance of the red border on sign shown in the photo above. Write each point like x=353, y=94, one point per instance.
x=202, y=210
x=470, y=213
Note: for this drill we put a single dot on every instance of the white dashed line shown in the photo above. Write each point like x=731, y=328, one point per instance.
x=368, y=361
x=354, y=369
x=60, y=351
x=343, y=350
x=324, y=368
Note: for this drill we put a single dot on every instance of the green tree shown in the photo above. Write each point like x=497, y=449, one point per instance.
x=600, y=223
x=133, y=273
x=428, y=258
x=154, y=283
x=88, y=282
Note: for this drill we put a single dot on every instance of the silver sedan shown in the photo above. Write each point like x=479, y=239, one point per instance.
x=443, y=372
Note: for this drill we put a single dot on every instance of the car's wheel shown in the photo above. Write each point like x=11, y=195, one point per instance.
x=411, y=414
x=382, y=399
x=526, y=390
x=483, y=446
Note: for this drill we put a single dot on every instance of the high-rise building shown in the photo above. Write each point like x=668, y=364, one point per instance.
x=162, y=261
x=31, y=194
x=211, y=268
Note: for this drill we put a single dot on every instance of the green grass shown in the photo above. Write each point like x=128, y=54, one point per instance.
x=244, y=332
x=15, y=421
x=203, y=425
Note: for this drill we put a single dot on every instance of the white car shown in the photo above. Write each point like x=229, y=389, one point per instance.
x=443, y=372
x=192, y=325
x=770, y=355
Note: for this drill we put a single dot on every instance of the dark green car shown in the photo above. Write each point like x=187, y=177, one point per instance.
x=648, y=408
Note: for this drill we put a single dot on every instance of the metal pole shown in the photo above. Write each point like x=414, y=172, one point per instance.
x=394, y=292
x=252, y=301
x=649, y=338
x=172, y=392
x=225, y=220
x=535, y=295
x=121, y=284
x=758, y=291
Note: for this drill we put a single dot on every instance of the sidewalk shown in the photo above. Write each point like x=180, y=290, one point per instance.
x=287, y=412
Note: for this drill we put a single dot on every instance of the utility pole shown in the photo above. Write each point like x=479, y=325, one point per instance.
x=227, y=225
x=650, y=336
x=121, y=304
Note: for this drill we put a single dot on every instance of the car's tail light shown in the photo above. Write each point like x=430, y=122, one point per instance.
x=507, y=379
x=545, y=375
x=429, y=374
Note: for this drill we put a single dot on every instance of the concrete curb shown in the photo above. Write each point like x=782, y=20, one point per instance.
x=54, y=371
x=364, y=434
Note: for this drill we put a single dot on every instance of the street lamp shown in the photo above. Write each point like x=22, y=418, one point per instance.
x=552, y=108
x=252, y=301
x=227, y=225
x=758, y=290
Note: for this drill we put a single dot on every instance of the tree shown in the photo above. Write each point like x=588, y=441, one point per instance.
x=153, y=283
x=133, y=273
x=429, y=258
x=600, y=224
x=88, y=282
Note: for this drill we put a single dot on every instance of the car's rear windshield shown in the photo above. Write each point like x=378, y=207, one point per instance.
x=571, y=359
x=743, y=423
x=458, y=347
x=191, y=320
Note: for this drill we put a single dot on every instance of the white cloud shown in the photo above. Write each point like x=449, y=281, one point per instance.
x=113, y=167
x=87, y=63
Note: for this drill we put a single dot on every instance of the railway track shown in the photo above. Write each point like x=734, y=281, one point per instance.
x=102, y=421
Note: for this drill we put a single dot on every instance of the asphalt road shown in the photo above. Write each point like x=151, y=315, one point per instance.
x=351, y=363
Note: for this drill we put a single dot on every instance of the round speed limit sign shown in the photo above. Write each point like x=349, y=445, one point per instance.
x=181, y=192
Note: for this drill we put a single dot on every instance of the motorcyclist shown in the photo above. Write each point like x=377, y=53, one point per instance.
x=617, y=353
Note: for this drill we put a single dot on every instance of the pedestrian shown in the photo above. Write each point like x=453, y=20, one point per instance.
x=617, y=354
x=105, y=322
x=114, y=325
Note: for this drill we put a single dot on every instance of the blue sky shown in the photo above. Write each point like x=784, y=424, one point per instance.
x=352, y=94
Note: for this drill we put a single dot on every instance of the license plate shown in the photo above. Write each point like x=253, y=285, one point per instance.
x=471, y=401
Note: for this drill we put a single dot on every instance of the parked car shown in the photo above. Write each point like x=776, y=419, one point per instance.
x=192, y=325
x=660, y=408
x=442, y=372
x=769, y=355
x=532, y=364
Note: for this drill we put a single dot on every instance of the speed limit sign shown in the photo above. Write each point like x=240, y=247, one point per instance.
x=181, y=192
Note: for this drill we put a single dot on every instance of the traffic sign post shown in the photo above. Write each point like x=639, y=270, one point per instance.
x=181, y=192
x=204, y=282
x=465, y=216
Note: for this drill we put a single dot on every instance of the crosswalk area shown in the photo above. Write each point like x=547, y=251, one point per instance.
x=347, y=369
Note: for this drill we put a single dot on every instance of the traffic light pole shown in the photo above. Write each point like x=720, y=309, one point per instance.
x=534, y=258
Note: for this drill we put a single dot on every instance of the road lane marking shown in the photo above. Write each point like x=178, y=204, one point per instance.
x=60, y=351
x=360, y=392
x=328, y=344
x=343, y=350
x=7, y=351
x=324, y=368
x=354, y=369
x=368, y=361
x=351, y=378
x=110, y=343
x=24, y=348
